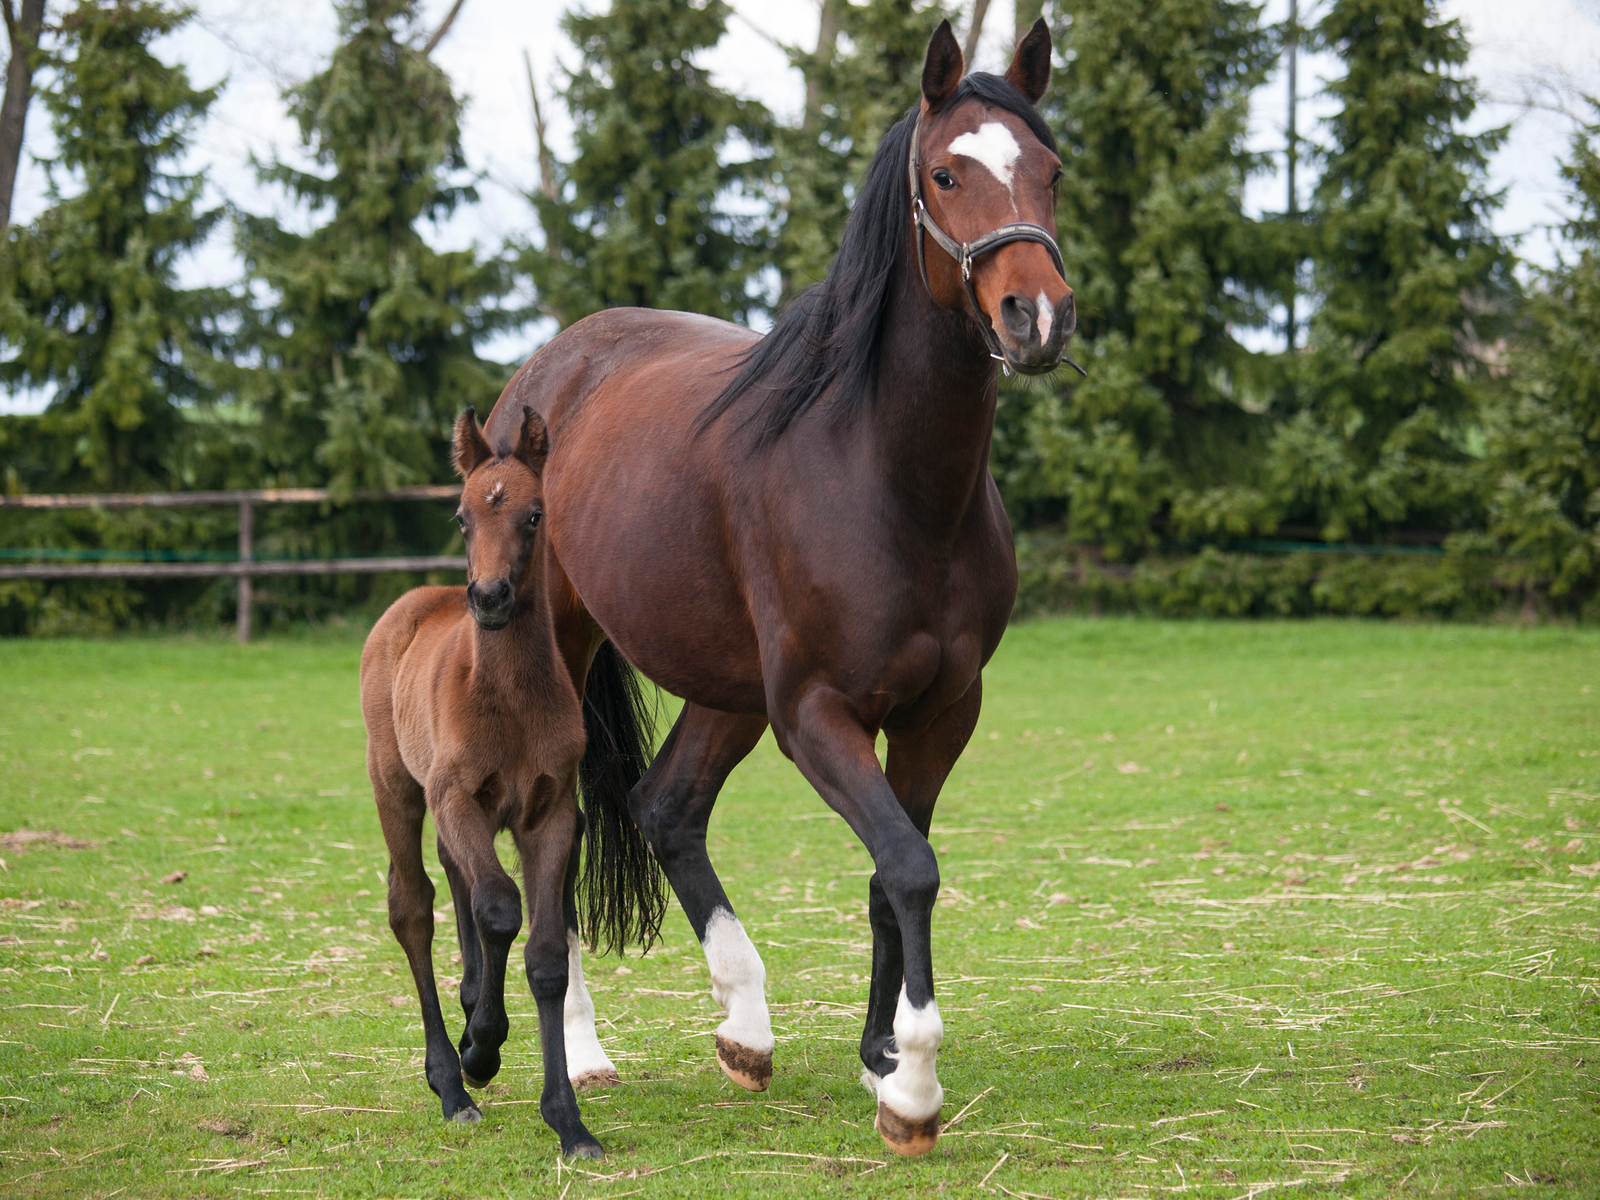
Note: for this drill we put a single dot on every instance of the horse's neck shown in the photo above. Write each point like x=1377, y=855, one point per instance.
x=517, y=659
x=933, y=416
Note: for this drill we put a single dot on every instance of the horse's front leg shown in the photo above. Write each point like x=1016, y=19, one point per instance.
x=836, y=753
x=548, y=847
x=917, y=766
x=480, y=884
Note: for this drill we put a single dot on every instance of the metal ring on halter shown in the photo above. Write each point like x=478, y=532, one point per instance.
x=965, y=252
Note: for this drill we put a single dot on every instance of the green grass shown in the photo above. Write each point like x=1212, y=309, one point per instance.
x=1227, y=908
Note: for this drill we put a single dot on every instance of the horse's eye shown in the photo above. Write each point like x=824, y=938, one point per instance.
x=944, y=179
x=536, y=518
x=1055, y=180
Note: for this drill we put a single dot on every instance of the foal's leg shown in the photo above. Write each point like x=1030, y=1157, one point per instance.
x=588, y=1065
x=466, y=940
x=466, y=836
x=672, y=805
x=837, y=755
x=401, y=809
x=547, y=850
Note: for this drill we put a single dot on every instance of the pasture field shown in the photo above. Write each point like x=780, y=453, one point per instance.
x=1228, y=910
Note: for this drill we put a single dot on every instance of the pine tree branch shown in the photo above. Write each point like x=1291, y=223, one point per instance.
x=444, y=28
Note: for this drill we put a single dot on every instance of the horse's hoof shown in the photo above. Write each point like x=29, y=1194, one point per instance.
x=594, y=1081
x=590, y=1150
x=467, y=1116
x=473, y=1083
x=750, y=1069
x=904, y=1135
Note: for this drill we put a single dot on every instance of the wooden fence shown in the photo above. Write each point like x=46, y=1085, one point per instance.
x=247, y=567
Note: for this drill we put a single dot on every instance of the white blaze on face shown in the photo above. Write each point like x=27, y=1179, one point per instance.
x=912, y=1089
x=993, y=145
x=584, y=1055
x=1047, y=317
x=738, y=982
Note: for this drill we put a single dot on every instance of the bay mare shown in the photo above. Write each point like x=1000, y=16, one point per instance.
x=471, y=716
x=801, y=532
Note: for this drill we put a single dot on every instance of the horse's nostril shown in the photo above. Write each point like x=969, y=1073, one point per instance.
x=1019, y=315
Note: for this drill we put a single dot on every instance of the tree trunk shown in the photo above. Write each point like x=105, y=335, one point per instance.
x=24, y=37
x=980, y=10
x=827, y=43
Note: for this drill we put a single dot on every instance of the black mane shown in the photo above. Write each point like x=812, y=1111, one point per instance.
x=829, y=334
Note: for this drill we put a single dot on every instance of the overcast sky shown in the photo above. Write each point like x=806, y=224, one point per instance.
x=1530, y=58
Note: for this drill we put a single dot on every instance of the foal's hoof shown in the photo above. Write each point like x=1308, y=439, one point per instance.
x=904, y=1135
x=590, y=1150
x=750, y=1069
x=473, y=1083
x=594, y=1081
x=467, y=1116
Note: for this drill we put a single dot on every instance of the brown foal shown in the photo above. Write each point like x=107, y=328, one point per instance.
x=471, y=715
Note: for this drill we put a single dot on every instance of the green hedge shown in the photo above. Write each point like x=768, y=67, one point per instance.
x=1059, y=577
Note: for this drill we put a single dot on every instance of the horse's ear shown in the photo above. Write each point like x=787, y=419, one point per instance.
x=533, y=444
x=469, y=447
x=942, y=69
x=1029, y=71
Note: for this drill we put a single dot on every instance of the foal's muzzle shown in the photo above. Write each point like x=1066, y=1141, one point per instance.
x=491, y=601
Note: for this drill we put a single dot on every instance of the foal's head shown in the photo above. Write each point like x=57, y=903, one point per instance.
x=981, y=167
x=502, y=508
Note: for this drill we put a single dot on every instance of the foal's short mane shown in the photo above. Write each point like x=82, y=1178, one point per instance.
x=828, y=336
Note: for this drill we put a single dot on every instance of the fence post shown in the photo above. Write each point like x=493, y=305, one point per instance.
x=246, y=553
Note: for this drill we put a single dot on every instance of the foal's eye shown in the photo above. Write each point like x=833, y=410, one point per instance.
x=534, y=520
x=944, y=179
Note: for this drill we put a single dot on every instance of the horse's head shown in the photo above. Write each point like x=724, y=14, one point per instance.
x=981, y=170
x=502, y=508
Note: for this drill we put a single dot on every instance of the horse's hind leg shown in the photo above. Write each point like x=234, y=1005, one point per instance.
x=482, y=887
x=401, y=809
x=588, y=1065
x=672, y=805
x=548, y=849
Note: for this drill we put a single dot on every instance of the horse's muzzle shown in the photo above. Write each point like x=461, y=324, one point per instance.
x=491, y=602
x=1034, y=339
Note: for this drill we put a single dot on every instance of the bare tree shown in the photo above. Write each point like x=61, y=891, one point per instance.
x=23, y=32
x=980, y=10
x=444, y=27
x=1028, y=11
x=827, y=42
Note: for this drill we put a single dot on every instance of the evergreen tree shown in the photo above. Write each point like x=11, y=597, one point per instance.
x=1151, y=110
x=89, y=303
x=1410, y=281
x=369, y=344
x=655, y=209
x=1544, y=448
x=861, y=78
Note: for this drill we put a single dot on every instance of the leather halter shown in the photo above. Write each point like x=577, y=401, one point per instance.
x=965, y=253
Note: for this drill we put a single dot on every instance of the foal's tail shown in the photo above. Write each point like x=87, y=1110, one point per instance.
x=623, y=895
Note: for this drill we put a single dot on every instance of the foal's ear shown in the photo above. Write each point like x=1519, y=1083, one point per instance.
x=470, y=449
x=533, y=443
x=942, y=69
x=1029, y=71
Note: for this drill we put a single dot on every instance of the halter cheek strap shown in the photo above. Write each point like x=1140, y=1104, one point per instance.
x=965, y=253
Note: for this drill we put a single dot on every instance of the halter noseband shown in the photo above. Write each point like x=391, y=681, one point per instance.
x=965, y=253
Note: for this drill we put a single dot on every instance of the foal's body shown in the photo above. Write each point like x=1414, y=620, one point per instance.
x=471, y=715
x=848, y=575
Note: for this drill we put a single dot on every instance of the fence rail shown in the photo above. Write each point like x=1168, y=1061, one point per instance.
x=246, y=568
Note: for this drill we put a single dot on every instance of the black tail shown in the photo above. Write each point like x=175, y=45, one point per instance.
x=622, y=894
